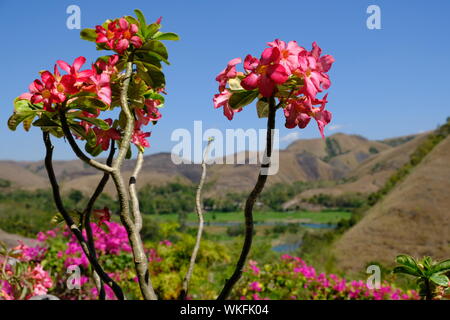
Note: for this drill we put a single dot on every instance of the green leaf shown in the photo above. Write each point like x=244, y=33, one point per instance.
x=45, y=122
x=93, y=150
x=145, y=57
x=152, y=29
x=88, y=103
x=55, y=131
x=18, y=118
x=166, y=36
x=407, y=261
x=132, y=20
x=442, y=266
x=155, y=96
x=97, y=122
x=241, y=99
x=440, y=279
x=22, y=105
x=262, y=108
x=141, y=18
x=406, y=270
x=88, y=34
x=151, y=74
x=79, y=130
x=155, y=46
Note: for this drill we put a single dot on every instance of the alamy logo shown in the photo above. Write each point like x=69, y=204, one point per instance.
x=189, y=148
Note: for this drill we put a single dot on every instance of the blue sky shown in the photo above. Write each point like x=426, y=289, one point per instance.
x=385, y=83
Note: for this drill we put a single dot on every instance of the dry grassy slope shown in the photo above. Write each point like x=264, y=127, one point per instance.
x=303, y=160
x=414, y=218
x=369, y=175
x=20, y=177
x=291, y=167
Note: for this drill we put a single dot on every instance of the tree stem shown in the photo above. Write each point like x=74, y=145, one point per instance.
x=87, y=219
x=248, y=211
x=137, y=247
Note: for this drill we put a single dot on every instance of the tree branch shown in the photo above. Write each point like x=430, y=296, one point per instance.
x=248, y=211
x=80, y=154
x=198, y=206
x=133, y=193
x=69, y=221
x=87, y=219
x=140, y=258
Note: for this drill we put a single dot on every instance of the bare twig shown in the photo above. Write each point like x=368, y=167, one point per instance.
x=71, y=224
x=198, y=206
x=133, y=193
x=248, y=211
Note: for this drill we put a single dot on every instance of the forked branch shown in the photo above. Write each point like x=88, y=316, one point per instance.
x=71, y=224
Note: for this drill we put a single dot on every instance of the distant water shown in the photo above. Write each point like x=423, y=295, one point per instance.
x=287, y=247
x=268, y=224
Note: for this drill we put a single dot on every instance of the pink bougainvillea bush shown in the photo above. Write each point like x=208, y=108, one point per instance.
x=291, y=278
x=49, y=267
x=43, y=269
x=22, y=274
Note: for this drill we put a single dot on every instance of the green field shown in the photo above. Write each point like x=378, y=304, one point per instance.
x=269, y=216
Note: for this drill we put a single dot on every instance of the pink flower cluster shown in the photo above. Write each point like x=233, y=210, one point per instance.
x=53, y=88
x=303, y=281
x=118, y=35
x=288, y=72
x=144, y=116
x=33, y=278
x=113, y=241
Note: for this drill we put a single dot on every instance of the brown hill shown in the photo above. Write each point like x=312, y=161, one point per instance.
x=367, y=176
x=414, y=218
x=304, y=160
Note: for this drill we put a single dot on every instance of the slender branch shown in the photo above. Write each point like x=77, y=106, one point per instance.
x=69, y=221
x=87, y=218
x=80, y=154
x=140, y=258
x=248, y=211
x=198, y=207
x=133, y=193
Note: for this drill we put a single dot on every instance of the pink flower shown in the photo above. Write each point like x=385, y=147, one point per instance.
x=221, y=100
x=108, y=291
x=298, y=112
x=103, y=215
x=166, y=243
x=74, y=69
x=312, y=69
x=255, y=286
x=254, y=268
x=149, y=113
x=119, y=35
x=288, y=54
x=100, y=84
x=228, y=73
x=266, y=73
x=139, y=140
x=104, y=136
x=108, y=67
x=45, y=91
